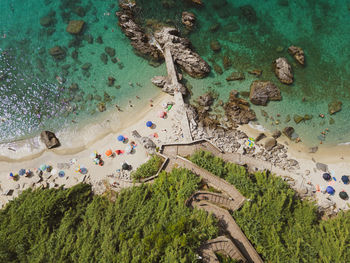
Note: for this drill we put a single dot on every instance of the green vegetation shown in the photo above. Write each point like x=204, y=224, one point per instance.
x=149, y=168
x=281, y=226
x=149, y=223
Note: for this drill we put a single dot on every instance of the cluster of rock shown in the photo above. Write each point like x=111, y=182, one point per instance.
x=188, y=19
x=164, y=82
x=181, y=51
x=298, y=54
x=263, y=91
x=139, y=39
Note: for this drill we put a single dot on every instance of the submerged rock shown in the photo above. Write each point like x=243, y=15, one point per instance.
x=86, y=66
x=256, y=72
x=298, y=118
x=263, y=91
x=217, y=68
x=50, y=139
x=47, y=21
x=297, y=53
x=226, y=62
x=334, y=106
x=111, y=81
x=215, y=46
x=110, y=51
x=205, y=100
x=235, y=76
x=101, y=106
x=75, y=27
x=283, y=70
x=57, y=52
x=104, y=58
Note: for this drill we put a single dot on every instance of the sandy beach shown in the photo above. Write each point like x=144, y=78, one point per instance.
x=72, y=158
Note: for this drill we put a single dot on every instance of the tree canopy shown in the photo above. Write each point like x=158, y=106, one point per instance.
x=149, y=223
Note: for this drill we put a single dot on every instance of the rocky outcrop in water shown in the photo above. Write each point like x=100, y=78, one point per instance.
x=188, y=19
x=283, y=70
x=139, y=40
x=288, y=131
x=334, y=106
x=164, y=83
x=50, y=139
x=57, y=52
x=298, y=54
x=238, y=110
x=75, y=27
x=181, y=51
x=263, y=91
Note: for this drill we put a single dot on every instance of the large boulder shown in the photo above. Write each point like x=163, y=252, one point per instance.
x=235, y=76
x=270, y=143
x=205, y=100
x=50, y=139
x=263, y=91
x=334, y=106
x=298, y=54
x=57, y=52
x=75, y=27
x=188, y=19
x=283, y=70
x=288, y=131
x=181, y=52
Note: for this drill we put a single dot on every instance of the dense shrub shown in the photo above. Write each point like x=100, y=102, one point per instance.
x=149, y=223
x=281, y=226
x=149, y=168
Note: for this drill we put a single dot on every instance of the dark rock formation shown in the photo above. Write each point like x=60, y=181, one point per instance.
x=237, y=110
x=270, y=143
x=182, y=54
x=164, y=83
x=321, y=166
x=205, y=100
x=236, y=76
x=298, y=118
x=47, y=21
x=288, y=131
x=215, y=46
x=256, y=72
x=75, y=27
x=57, y=52
x=334, y=106
x=298, y=54
x=104, y=58
x=188, y=19
x=111, y=81
x=260, y=137
x=139, y=40
x=110, y=51
x=50, y=139
x=263, y=91
x=283, y=70
x=276, y=134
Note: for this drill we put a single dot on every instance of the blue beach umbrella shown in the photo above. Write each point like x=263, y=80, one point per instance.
x=83, y=170
x=330, y=190
x=121, y=138
x=149, y=124
x=22, y=172
x=345, y=179
x=61, y=174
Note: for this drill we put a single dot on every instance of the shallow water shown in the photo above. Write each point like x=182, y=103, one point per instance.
x=32, y=98
x=252, y=34
x=251, y=41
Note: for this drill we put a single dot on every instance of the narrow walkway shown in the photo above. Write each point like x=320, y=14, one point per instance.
x=215, y=198
x=228, y=223
x=220, y=244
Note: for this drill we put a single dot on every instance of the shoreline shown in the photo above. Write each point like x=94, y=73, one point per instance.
x=89, y=133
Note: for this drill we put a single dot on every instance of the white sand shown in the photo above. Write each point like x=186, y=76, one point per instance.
x=167, y=130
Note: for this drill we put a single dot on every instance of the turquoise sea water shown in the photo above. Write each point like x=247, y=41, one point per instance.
x=31, y=97
x=252, y=34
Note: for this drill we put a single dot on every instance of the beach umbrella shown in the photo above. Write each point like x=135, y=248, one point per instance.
x=330, y=190
x=61, y=173
x=28, y=172
x=162, y=114
x=343, y=195
x=11, y=174
x=96, y=160
x=22, y=172
x=326, y=176
x=250, y=142
x=121, y=138
x=149, y=124
x=83, y=170
x=345, y=179
x=169, y=107
x=109, y=153
x=128, y=149
x=125, y=166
